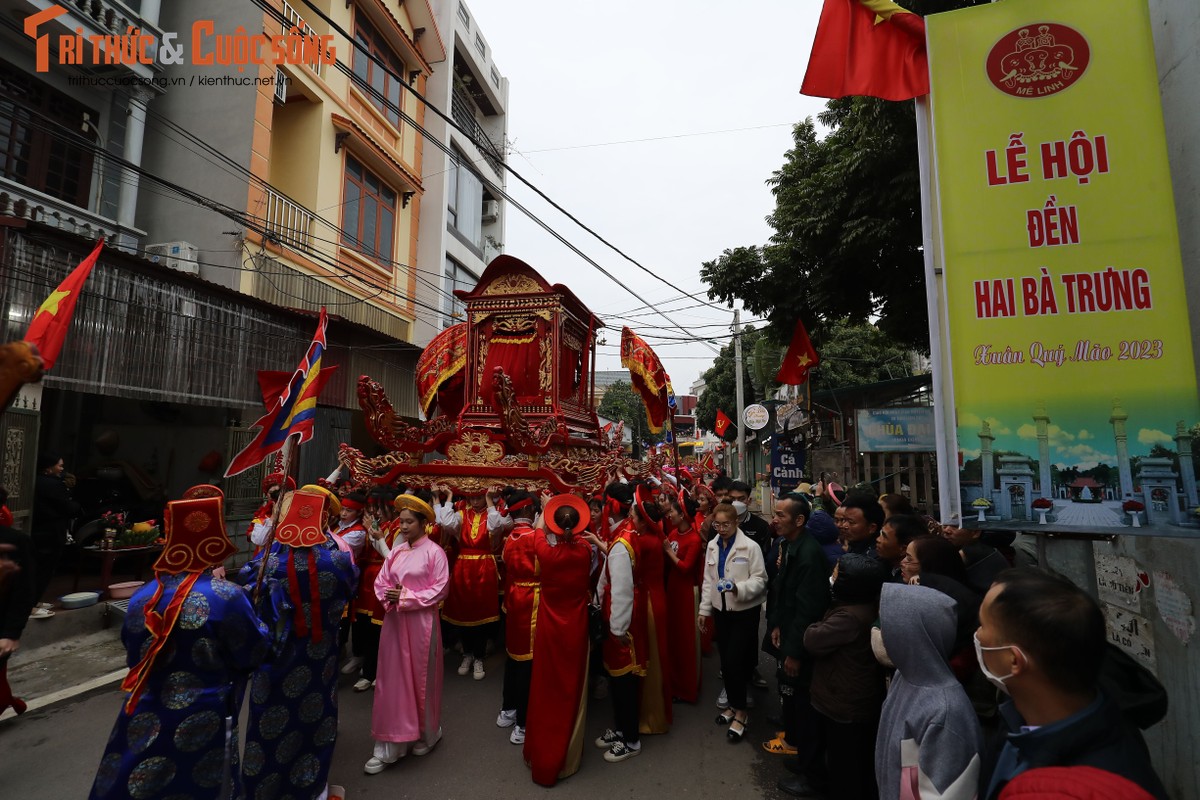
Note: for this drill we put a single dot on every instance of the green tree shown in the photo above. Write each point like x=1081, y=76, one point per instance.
x=847, y=237
x=720, y=390
x=622, y=403
x=855, y=354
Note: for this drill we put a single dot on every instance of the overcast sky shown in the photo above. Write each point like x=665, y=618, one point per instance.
x=598, y=73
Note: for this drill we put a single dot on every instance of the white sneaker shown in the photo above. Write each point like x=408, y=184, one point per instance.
x=621, y=751
x=507, y=718
x=518, y=735
x=723, y=699
x=479, y=673
x=423, y=747
x=351, y=666
x=608, y=739
x=465, y=666
x=41, y=613
x=374, y=766
x=47, y=606
x=362, y=684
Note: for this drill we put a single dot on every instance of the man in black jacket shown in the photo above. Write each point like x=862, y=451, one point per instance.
x=53, y=510
x=799, y=597
x=1042, y=640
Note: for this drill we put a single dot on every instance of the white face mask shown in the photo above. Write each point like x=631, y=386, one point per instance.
x=741, y=510
x=999, y=681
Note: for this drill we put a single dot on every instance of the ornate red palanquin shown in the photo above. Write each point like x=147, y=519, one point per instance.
x=508, y=395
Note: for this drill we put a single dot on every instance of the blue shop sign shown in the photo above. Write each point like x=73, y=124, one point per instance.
x=896, y=430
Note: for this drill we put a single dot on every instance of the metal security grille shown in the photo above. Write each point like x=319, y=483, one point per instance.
x=19, y=432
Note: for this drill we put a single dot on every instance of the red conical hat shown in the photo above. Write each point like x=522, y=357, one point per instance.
x=195, y=533
x=572, y=501
x=302, y=519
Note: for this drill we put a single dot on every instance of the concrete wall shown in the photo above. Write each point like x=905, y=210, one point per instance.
x=1173, y=571
x=221, y=116
x=1176, y=25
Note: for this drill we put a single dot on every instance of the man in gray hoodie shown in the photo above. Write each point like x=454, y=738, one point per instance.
x=929, y=738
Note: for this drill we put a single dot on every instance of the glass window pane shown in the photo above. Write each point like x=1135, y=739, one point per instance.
x=350, y=210
x=354, y=168
x=370, y=215
x=386, y=218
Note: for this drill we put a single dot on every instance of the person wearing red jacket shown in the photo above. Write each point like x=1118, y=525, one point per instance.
x=684, y=553
x=521, y=604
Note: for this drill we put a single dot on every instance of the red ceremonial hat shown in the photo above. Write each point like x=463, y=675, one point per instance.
x=201, y=490
x=302, y=519
x=643, y=497
x=278, y=479
x=568, y=501
x=195, y=533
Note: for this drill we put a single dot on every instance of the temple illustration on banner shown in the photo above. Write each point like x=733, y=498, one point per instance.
x=1006, y=485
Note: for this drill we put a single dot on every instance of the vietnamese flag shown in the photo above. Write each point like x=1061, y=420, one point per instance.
x=48, y=330
x=800, y=358
x=723, y=423
x=873, y=48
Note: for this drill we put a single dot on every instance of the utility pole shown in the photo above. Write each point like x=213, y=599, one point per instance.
x=741, y=397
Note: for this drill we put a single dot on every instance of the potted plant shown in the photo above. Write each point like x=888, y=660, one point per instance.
x=1042, y=505
x=1134, y=509
x=983, y=504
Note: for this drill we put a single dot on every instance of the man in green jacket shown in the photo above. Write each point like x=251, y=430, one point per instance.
x=799, y=597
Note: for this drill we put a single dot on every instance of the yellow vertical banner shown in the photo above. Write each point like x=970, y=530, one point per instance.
x=1068, y=326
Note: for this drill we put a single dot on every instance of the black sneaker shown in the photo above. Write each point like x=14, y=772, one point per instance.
x=608, y=739
x=620, y=751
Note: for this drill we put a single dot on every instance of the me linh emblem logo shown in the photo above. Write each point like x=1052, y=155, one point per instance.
x=1038, y=60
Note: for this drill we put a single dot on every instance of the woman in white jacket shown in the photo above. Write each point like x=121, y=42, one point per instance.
x=732, y=594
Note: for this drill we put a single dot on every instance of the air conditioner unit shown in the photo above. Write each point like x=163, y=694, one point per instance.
x=491, y=210
x=281, y=83
x=176, y=255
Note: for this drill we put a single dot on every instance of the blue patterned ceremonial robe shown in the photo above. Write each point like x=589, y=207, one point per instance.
x=293, y=718
x=174, y=743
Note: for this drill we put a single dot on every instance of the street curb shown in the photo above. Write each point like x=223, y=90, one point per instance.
x=45, y=701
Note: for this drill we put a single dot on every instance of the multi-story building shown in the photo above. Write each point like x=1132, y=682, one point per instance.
x=324, y=160
x=462, y=217
x=236, y=198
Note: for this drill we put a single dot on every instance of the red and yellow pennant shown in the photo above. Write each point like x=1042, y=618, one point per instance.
x=649, y=379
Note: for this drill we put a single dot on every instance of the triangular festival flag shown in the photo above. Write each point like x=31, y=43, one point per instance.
x=293, y=411
x=48, y=328
x=801, y=357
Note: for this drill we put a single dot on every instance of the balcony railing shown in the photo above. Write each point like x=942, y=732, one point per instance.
x=288, y=222
x=25, y=203
x=296, y=21
x=462, y=110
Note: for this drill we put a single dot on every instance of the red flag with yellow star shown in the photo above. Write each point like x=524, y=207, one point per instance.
x=801, y=357
x=48, y=330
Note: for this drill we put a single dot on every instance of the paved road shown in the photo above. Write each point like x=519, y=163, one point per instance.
x=52, y=754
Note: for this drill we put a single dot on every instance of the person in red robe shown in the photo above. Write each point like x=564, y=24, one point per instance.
x=521, y=610
x=684, y=558
x=473, y=604
x=655, y=709
x=557, y=692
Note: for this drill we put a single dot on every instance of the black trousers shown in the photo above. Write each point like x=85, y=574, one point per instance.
x=736, y=636
x=799, y=720
x=474, y=639
x=365, y=644
x=517, y=676
x=47, y=552
x=625, y=691
x=845, y=760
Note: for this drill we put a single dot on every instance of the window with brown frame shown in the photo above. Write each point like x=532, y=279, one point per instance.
x=38, y=144
x=371, y=71
x=368, y=213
